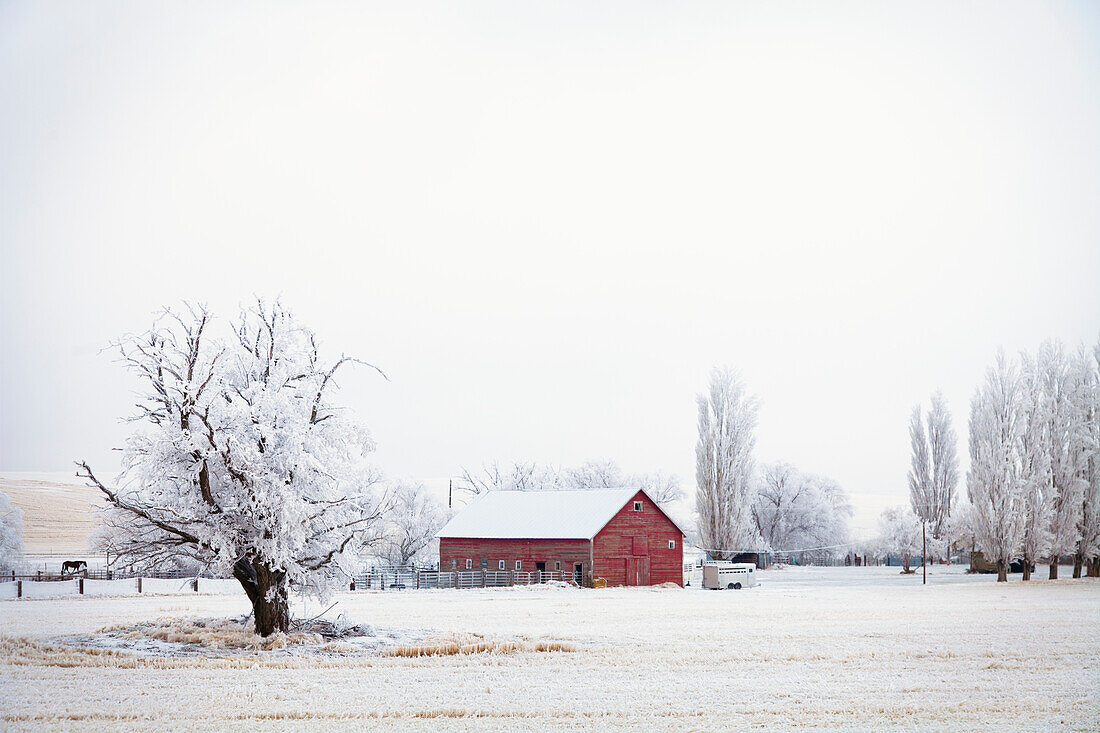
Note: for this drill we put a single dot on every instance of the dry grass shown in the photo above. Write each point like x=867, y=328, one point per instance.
x=453, y=645
x=217, y=634
x=23, y=652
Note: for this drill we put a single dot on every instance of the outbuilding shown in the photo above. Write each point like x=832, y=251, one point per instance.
x=620, y=535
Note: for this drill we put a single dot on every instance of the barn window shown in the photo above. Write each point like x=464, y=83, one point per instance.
x=519, y=564
x=637, y=506
x=672, y=544
x=500, y=565
x=469, y=563
x=557, y=565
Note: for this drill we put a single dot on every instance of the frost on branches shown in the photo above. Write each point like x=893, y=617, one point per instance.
x=11, y=533
x=242, y=461
x=900, y=535
x=531, y=476
x=1088, y=543
x=411, y=525
x=934, y=470
x=1063, y=383
x=994, y=481
x=724, y=467
x=800, y=512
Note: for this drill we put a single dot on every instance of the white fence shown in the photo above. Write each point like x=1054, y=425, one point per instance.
x=379, y=579
x=121, y=587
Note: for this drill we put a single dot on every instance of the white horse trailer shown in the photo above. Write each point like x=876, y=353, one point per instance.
x=730, y=575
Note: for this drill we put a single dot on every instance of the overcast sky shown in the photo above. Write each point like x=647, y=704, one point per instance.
x=548, y=221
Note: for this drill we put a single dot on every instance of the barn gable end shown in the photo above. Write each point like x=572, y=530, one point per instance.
x=633, y=547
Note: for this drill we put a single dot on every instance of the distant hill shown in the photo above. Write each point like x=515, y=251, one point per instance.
x=57, y=512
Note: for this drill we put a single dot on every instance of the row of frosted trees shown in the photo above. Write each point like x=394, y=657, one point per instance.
x=1034, y=478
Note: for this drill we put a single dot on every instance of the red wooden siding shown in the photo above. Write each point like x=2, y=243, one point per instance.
x=634, y=545
x=530, y=552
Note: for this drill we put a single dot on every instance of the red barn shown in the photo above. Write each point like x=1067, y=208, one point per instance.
x=620, y=535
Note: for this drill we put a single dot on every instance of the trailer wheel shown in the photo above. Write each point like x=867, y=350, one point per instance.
x=731, y=586
x=737, y=586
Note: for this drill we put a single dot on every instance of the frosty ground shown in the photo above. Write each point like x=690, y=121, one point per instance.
x=847, y=648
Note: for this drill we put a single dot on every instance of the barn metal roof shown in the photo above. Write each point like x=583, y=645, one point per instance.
x=576, y=514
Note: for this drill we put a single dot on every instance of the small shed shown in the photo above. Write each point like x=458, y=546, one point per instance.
x=621, y=535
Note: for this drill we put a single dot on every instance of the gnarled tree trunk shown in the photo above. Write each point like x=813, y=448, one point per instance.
x=1027, y=568
x=1002, y=571
x=1054, y=568
x=266, y=588
x=1078, y=561
x=1094, y=567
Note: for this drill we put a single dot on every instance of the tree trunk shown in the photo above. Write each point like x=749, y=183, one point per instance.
x=1027, y=568
x=1078, y=560
x=1094, y=567
x=1054, y=568
x=1002, y=571
x=905, y=563
x=267, y=590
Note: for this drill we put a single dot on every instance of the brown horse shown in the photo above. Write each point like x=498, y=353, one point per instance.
x=73, y=566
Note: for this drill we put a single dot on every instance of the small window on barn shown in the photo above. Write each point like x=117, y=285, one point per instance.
x=637, y=506
x=454, y=563
x=500, y=565
x=519, y=564
x=557, y=565
x=469, y=563
x=672, y=544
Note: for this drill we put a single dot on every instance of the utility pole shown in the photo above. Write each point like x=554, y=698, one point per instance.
x=450, y=491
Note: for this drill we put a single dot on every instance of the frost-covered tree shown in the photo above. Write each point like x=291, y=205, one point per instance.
x=410, y=524
x=943, y=446
x=994, y=481
x=1088, y=543
x=795, y=511
x=518, y=476
x=724, y=494
x=962, y=529
x=662, y=488
x=11, y=533
x=1035, y=468
x=531, y=476
x=1063, y=381
x=242, y=460
x=900, y=534
x=934, y=469
x=920, y=480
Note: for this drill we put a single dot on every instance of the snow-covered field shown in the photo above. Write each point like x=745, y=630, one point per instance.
x=845, y=648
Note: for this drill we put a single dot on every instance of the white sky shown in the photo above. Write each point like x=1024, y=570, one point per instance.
x=547, y=221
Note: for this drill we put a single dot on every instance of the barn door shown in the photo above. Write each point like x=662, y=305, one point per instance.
x=637, y=571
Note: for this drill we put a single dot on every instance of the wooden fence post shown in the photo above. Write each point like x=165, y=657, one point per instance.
x=139, y=584
x=19, y=589
x=80, y=585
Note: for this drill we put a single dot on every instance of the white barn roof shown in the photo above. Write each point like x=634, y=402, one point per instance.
x=538, y=514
